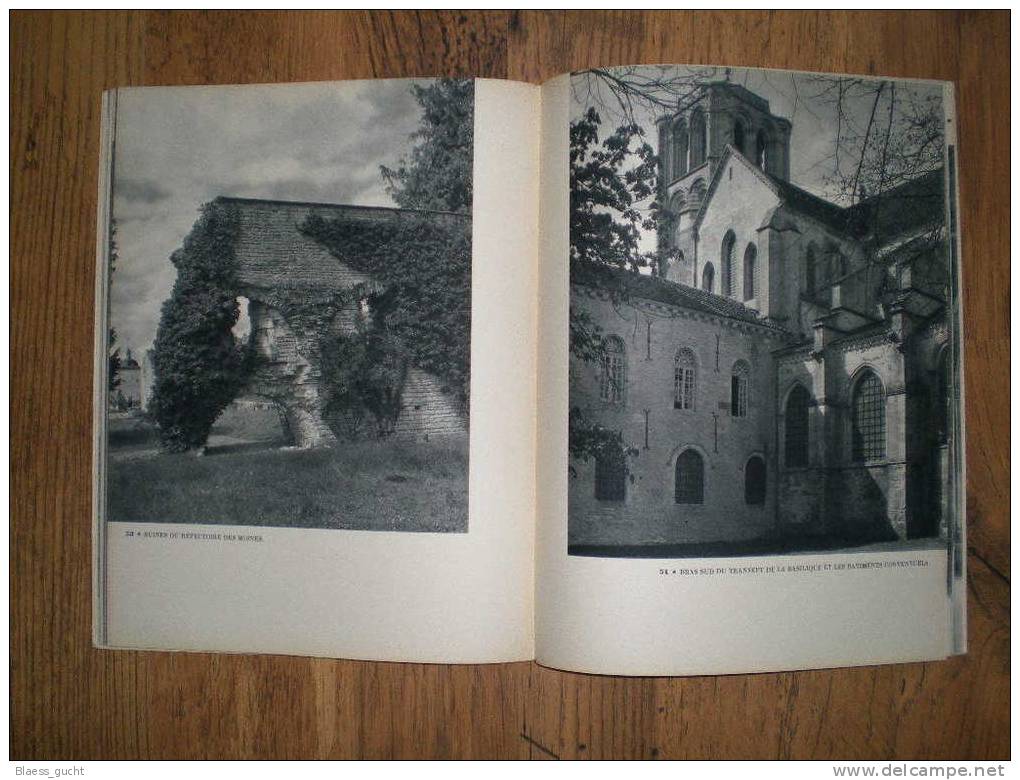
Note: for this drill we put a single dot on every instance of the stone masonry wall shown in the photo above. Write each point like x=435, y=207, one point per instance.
x=288, y=372
x=427, y=411
x=652, y=335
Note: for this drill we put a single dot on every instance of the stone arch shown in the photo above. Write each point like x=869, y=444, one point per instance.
x=680, y=148
x=685, y=378
x=698, y=139
x=708, y=277
x=677, y=204
x=750, y=272
x=613, y=379
x=762, y=152
x=740, y=388
x=689, y=476
x=726, y=263
x=697, y=192
x=868, y=431
x=797, y=425
x=755, y=479
x=740, y=131
x=811, y=270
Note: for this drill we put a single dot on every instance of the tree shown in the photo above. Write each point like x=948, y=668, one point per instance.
x=364, y=374
x=421, y=309
x=878, y=154
x=438, y=174
x=113, y=351
x=884, y=134
x=610, y=182
x=199, y=366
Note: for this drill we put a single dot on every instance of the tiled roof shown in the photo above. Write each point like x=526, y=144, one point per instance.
x=898, y=211
x=655, y=288
x=829, y=214
x=273, y=252
x=905, y=209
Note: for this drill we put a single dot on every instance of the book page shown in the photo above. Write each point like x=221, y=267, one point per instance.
x=315, y=389
x=749, y=439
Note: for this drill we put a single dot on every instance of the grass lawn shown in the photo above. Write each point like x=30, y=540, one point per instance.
x=373, y=485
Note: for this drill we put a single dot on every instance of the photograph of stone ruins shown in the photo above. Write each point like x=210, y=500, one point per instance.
x=761, y=326
x=290, y=301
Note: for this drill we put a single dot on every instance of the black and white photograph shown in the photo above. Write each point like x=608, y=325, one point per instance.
x=289, y=305
x=762, y=321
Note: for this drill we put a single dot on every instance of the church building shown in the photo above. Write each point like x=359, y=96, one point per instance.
x=786, y=373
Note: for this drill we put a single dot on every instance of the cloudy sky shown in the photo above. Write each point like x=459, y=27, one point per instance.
x=177, y=148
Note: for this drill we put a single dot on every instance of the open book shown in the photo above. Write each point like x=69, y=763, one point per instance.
x=646, y=371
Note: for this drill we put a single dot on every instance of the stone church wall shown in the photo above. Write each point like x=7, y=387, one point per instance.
x=652, y=335
x=746, y=199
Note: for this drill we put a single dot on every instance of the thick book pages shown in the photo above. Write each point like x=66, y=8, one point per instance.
x=649, y=370
x=756, y=382
x=315, y=398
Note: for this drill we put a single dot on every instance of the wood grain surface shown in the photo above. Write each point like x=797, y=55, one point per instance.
x=70, y=701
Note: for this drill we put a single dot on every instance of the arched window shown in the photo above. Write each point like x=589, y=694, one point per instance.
x=761, y=150
x=676, y=203
x=697, y=138
x=726, y=262
x=810, y=272
x=614, y=371
x=739, y=136
x=611, y=475
x=676, y=206
x=754, y=481
x=739, y=382
x=750, y=272
x=698, y=189
x=707, y=277
x=839, y=266
x=690, y=478
x=797, y=406
x=868, y=418
x=679, y=149
x=685, y=379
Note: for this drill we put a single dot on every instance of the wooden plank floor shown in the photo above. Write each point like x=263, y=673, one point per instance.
x=71, y=701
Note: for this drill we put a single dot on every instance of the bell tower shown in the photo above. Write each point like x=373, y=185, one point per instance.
x=692, y=141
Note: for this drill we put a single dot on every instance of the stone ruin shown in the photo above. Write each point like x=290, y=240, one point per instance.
x=296, y=292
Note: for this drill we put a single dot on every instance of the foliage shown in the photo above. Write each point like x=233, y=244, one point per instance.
x=609, y=181
x=885, y=135
x=113, y=371
x=605, y=193
x=421, y=307
x=199, y=366
x=112, y=378
x=624, y=93
x=364, y=373
x=587, y=439
x=388, y=484
x=438, y=175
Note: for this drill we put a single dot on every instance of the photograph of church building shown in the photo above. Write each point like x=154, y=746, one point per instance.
x=295, y=264
x=782, y=376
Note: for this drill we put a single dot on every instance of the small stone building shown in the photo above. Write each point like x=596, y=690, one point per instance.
x=291, y=284
x=788, y=374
